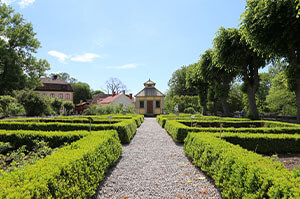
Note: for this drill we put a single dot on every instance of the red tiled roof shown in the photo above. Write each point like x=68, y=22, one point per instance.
x=109, y=99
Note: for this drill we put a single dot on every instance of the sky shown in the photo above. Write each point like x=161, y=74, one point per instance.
x=132, y=40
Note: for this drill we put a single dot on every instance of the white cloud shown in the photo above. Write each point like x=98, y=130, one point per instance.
x=25, y=3
x=7, y=2
x=87, y=57
x=61, y=56
x=125, y=66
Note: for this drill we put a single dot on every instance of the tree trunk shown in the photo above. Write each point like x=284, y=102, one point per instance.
x=225, y=105
x=252, y=103
x=215, y=107
x=297, y=92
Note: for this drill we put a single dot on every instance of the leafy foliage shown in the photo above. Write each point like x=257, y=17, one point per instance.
x=272, y=28
x=19, y=69
x=82, y=92
x=56, y=104
x=10, y=106
x=68, y=106
x=34, y=103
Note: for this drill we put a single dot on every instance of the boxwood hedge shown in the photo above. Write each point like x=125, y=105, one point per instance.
x=73, y=171
x=126, y=128
x=240, y=173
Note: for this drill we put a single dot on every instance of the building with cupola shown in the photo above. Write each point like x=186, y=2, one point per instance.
x=149, y=101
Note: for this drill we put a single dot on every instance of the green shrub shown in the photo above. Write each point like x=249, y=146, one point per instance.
x=34, y=103
x=240, y=173
x=68, y=106
x=264, y=143
x=10, y=106
x=56, y=104
x=73, y=171
x=179, y=131
x=126, y=128
x=190, y=110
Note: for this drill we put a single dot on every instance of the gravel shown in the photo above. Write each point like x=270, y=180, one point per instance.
x=153, y=166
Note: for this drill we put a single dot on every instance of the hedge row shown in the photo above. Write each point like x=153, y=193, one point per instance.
x=264, y=143
x=161, y=119
x=64, y=120
x=73, y=171
x=54, y=138
x=237, y=124
x=240, y=173
x=179, y=131
x=126, y=128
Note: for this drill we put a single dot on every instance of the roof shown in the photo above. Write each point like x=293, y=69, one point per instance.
x=149, y=83
x=109, y=99
x=99, y=97
x=54, y=85
x=149, y=92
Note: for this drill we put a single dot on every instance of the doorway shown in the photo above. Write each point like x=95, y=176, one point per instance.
x=150, y=107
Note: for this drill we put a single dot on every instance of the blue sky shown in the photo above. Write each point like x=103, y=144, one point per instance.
x=132, y=40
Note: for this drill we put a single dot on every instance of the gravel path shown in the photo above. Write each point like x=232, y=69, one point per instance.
x=153, y=166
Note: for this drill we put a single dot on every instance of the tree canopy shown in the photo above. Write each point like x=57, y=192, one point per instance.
x=18, y=67
x=234, y=54
x=82, y=92
x=272, y=28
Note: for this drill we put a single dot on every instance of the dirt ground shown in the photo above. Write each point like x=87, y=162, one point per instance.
x=290, y=161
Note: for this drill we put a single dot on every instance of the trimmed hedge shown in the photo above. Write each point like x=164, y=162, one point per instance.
x=237, y=124
x=179, y=131
x=264, y=143
x=161, y=119
x=126, y=128
x=73, y=171
x=240, y=173
x=54, y=138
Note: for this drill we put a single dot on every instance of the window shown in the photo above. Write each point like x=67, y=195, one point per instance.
x=60, y=95
x=157, y=104
x=44, y=94
x=52, y=95
x=67, y=96
x=141, y=104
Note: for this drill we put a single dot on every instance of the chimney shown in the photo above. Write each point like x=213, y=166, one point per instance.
x=113, y=93
x=130, y=95
x=123, y=92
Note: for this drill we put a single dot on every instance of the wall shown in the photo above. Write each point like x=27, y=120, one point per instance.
x=47, y=93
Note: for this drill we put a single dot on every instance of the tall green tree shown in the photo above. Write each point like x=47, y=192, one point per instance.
x=82, y=92
x=235, y=55
x=272, y=28
x=280, y=99
x=196, y=81
x=177, y=83
x=218, y=78
x=18, y=67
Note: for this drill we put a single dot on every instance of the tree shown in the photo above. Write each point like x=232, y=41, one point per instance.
x=218, y=78
x=18, y=67
x=96, y=92
x=263, y=91
x=56, y=104
x=236, y=56
x=272, y=28
x=65, y=76
x=68, y=105
x=114, y=85
x=34, y=103
x=195, y=80
x=82, y=92
x=177, y=83
x=10, y=106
